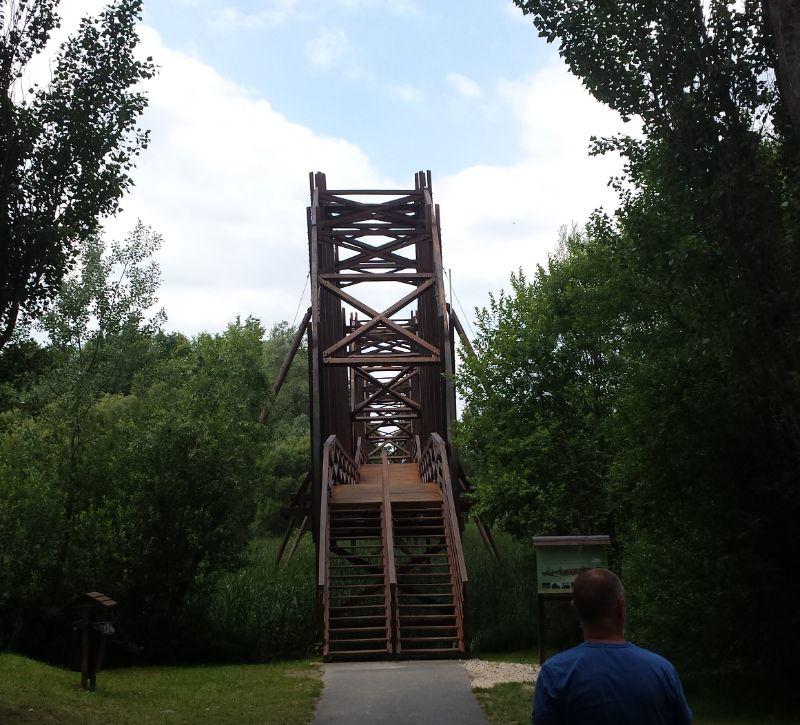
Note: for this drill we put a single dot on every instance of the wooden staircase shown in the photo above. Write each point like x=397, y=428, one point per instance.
x=427, y=619
x=359, y=606
x=392, y=572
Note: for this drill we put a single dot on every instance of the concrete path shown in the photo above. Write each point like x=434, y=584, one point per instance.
x=395, y=693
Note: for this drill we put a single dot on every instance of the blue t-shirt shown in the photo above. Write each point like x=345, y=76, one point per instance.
x=609, y=684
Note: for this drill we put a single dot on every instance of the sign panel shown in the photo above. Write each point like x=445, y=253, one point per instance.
x=560, y=559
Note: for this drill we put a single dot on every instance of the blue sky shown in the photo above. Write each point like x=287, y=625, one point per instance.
x=254, y=94
x=380, y=73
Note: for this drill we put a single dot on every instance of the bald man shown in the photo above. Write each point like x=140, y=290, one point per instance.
x=606, y=680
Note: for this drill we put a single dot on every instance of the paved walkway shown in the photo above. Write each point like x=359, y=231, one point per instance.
x=395, y=693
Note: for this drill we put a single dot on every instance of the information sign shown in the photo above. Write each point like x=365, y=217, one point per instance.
x=559, y=559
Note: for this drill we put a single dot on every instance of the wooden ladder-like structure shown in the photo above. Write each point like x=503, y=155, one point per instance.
x=383, y=498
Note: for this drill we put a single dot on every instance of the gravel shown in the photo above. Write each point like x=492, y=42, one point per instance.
x=484, y=674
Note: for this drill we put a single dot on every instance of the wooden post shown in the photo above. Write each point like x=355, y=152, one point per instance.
x=85, y=649
x=302, y=530
x=540, y=623
x=287, y=362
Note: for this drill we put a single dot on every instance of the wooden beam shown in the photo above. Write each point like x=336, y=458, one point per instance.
x=287, y=362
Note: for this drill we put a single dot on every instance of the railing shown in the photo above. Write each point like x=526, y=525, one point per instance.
x=362, y=451
x=389, y=569
x=337, y=468
x=434, y=468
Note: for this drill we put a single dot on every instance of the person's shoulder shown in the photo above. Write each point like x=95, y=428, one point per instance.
x=564, y=659
x=652, y=658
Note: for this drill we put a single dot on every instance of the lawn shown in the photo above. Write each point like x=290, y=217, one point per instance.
x=282, y=692
x=510, y=703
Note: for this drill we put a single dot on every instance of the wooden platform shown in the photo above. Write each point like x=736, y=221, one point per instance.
x=404, y=484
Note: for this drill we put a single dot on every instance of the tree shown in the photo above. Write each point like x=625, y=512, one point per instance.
x=784, y=17
x=686, y=302
x=66, y=147
x=285, y=458
x=538, y=392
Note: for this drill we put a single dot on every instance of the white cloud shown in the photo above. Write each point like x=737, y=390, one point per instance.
x=396, y=7
x=277, y=12
x=226, y=183
x=407, y=92
x=496, y=218
x=464, y=86
x=330, y=48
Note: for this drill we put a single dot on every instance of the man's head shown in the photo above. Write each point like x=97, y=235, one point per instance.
x=599, y=599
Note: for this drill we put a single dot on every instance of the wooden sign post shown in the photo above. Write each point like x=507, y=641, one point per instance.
x=93, y=623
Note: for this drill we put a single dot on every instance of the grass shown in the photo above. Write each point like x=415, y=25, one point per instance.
x=282, y=692
x=509, y=703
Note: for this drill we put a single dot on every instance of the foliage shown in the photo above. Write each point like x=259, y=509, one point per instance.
x=133, y=463
x=66, y=147
x=261, y=611
x=280, y=693
x=543, y=381
x=653, y=363
x=501, y=596
x=285, y=462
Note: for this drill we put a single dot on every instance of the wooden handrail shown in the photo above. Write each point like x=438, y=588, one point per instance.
x=434, y=466
x=388, y=527
x=389, y=568
x=449, y=501
x=322, y=572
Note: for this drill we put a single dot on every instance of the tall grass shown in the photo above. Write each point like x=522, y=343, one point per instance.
x=263, y=611
x=501, y=598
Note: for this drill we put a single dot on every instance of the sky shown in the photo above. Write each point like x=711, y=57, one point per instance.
x=251, y=95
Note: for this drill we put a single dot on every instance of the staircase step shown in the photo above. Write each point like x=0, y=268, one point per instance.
x=406, y=617
x=360, y=629
x=380, y=615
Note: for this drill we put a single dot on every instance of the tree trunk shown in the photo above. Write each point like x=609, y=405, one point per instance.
x=784, y=19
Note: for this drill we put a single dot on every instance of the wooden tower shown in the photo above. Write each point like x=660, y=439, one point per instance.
x=385, y=504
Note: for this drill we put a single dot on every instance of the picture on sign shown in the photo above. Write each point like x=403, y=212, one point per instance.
x=557, y=566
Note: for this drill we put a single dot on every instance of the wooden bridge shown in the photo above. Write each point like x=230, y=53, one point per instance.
x=384, y=496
